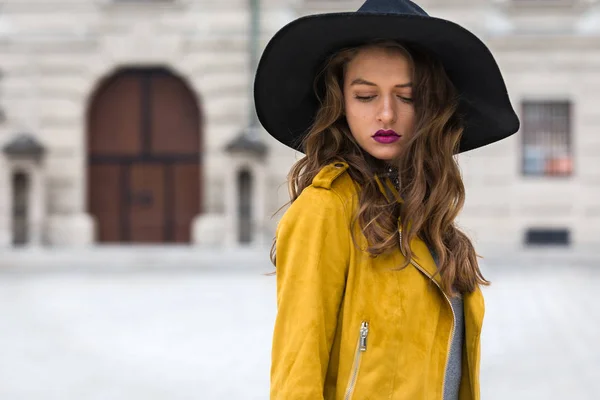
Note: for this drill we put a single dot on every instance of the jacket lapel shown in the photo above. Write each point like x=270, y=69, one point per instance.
x=421, y=254
x=474, y=307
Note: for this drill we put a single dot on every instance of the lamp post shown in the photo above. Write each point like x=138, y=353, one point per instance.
x=254, y=44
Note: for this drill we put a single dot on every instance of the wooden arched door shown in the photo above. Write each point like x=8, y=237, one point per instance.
x=144, y=158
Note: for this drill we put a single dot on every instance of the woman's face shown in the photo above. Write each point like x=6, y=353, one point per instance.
x=378, y=101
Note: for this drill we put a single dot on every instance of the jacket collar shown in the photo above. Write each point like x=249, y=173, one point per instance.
x=387, y=188
x=421, y=256
x=473, y=302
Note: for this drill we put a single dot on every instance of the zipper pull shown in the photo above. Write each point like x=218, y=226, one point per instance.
x=364, y=332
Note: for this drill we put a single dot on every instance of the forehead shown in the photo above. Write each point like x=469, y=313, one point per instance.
x=377, y=62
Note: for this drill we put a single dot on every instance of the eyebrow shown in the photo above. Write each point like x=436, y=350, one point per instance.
x=360, y=81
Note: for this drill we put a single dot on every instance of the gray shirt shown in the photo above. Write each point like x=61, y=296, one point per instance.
x=453, y=371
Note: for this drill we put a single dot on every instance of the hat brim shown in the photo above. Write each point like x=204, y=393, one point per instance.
x=283, y=88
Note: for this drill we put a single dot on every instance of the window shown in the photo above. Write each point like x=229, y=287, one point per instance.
x=547, y=139
x=547, y=237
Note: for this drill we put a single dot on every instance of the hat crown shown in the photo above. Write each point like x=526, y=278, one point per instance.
x=392, y=7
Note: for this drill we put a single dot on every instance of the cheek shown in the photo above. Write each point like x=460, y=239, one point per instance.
x=355, y=114
x=350, y=112
x=409, y=118
x=355, y=122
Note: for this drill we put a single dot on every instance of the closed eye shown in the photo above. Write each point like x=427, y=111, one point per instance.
x=369, y=98
x=364, y=98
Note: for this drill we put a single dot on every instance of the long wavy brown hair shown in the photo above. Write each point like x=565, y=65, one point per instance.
x=431, y=185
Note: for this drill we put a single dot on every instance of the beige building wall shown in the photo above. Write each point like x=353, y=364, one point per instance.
x=548, y=51
x=54, y=54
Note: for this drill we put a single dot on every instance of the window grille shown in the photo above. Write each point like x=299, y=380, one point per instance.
x=546, y=135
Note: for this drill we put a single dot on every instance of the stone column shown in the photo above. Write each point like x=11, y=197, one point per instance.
x=37, y=205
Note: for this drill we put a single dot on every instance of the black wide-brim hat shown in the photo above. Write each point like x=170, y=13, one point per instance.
x=286, y=104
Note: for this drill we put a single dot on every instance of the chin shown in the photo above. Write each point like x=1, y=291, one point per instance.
x=385, y=155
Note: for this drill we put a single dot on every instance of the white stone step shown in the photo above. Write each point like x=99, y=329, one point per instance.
x=128, y=258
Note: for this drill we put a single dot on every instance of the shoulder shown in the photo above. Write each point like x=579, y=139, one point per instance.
x=330, y=194
x=335, y=177
x=329, y=174
x=334, y=181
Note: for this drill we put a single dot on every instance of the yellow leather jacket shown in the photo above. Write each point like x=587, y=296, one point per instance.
x=347, y=326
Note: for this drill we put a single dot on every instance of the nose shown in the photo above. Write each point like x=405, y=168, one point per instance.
x=387, y=112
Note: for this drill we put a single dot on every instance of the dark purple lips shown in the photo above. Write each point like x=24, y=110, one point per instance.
x=386, y=136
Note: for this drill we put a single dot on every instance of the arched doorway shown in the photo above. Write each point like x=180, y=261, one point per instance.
x=21, y=188
x=144, y=157
x=245, y=189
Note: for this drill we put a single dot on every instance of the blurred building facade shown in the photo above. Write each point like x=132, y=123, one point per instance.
x=131, y=121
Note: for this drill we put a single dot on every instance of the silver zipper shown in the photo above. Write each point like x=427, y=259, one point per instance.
x=364, y=332
x=360, y=348
x=451, y=308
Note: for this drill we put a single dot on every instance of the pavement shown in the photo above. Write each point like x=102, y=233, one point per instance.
x=188, y=327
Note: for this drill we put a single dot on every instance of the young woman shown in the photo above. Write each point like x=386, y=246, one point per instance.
x=377, y=289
